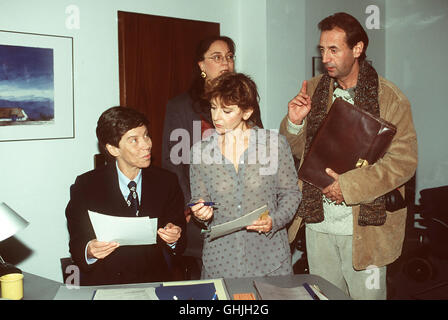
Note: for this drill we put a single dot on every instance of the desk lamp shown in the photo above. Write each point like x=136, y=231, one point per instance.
x=10, y=223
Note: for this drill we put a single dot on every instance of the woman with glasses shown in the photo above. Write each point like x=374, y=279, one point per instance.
x=241, y=168
x=190, y=113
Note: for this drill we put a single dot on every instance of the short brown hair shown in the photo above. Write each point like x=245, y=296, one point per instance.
x=115, y=122
x=236, y=89
x=354, y=32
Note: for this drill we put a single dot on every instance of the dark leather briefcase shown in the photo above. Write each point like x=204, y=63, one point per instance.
x=348, y=138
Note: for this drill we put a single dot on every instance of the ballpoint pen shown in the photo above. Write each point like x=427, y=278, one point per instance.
x=311, y=291
x=207, y=203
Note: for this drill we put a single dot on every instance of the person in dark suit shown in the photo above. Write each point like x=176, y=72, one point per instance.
x=123, y=136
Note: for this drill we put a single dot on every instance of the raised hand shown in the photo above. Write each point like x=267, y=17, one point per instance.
x=299, y=106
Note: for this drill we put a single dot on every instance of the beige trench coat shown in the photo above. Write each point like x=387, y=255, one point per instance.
x=373, y=245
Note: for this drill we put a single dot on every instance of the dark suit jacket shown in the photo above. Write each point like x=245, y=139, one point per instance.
x=98, y=190
x=180, y=115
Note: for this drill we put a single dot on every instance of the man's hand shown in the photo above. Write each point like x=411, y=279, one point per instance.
x=100, y=249
x=299, y=106
x=333, y=191
x=170, y=234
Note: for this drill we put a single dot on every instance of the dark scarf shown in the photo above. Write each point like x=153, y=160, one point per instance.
x=366, y=97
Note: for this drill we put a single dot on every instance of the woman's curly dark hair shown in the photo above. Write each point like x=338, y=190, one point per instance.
x=236, y=89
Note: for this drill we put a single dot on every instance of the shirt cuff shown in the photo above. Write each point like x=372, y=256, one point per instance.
x=294, y=128
x=172, y=245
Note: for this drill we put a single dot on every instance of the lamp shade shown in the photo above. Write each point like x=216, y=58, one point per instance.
x=10, y=222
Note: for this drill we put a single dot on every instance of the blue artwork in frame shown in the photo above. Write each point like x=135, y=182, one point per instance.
x=36, y=86
x=26, y=85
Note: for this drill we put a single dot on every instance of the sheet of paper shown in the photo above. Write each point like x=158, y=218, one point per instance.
x=237, y=224
x=268, y=291
x=126, y=231
x=126, y=294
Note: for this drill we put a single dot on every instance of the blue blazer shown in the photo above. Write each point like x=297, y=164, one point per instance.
x=98, y=190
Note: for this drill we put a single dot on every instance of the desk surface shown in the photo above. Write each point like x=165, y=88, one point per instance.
x=245, y=285
x=39, y=288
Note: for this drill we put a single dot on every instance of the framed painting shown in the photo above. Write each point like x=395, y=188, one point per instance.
x=36, y=86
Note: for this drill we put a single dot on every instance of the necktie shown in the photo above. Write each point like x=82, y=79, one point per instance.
x=133, y=197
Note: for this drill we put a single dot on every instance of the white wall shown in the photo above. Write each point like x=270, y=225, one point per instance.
x=416, y=60
x=285, y=57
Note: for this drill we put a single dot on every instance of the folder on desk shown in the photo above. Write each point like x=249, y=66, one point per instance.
x=200, y=291
x=219, y=286
x=211, y=289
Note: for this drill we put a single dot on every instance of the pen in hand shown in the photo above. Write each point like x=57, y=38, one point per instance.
x=209, y=204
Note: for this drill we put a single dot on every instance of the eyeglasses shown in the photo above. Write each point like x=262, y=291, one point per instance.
x=220, y=59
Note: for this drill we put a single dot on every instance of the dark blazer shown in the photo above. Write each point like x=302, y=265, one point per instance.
x=180, y=114
x=98, y=190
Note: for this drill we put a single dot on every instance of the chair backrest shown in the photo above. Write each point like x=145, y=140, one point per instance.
x=433, y=202
x=99, y=160
x=65, y=263
x=434, y=212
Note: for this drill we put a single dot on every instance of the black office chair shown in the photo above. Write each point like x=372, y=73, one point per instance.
x=426, y=264
x=434, y=212
x=65, y=264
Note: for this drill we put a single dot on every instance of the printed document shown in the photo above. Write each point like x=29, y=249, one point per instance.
x=127, y=231
x=238, y=224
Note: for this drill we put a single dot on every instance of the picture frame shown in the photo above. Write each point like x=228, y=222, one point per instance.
x=36, y=86
x=318, y=67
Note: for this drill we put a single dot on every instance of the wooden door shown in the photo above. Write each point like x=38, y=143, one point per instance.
x=156, y=57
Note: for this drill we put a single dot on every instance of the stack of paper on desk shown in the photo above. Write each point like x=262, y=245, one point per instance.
x=268, y=291
x=126, y=294
x=124, y=230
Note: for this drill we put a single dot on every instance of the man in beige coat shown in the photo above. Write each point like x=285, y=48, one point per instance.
x=350, y=235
